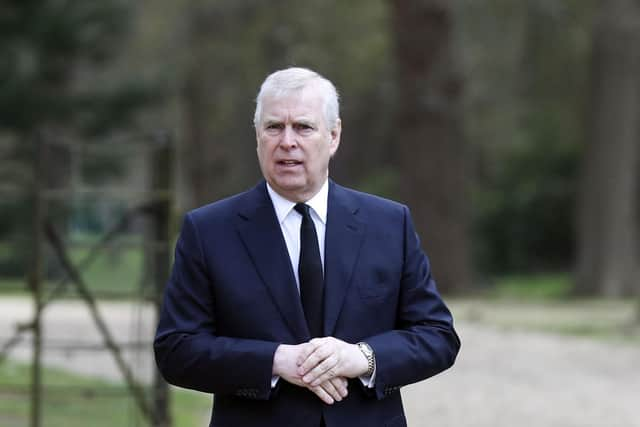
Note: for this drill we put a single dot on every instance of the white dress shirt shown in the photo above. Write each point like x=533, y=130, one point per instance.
x=290, y=221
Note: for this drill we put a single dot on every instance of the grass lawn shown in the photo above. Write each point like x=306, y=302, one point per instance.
x=114, y=273
x=598, y=319
x=544, y=303
x=549, y=286
x=75, y=401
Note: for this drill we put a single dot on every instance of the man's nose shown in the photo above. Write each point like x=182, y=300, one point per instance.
x=288, y=140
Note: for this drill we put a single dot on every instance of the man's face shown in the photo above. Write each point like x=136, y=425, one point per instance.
x=295, y=144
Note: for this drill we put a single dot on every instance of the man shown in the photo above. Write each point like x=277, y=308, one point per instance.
x=300, y=302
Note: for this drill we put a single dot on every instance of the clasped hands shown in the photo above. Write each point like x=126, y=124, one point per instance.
x=322, y=365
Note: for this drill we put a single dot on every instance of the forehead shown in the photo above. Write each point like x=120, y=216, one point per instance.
x=300, y=104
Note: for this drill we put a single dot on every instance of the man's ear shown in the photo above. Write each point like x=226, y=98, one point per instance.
x=335, y=137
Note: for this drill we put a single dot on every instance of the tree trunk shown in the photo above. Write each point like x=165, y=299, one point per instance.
x=429, y=140
x=608, y=210
x=202, y=158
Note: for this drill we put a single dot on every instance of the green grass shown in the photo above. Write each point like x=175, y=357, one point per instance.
x=596, y=318
x=544, y=302
x=74, y=401
x=114, y=273
x=548, y=286
x=13, y=286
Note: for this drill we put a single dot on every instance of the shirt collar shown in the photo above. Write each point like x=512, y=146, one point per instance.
x=318, y=203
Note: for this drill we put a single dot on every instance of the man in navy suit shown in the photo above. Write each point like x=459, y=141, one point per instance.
x=301, y=302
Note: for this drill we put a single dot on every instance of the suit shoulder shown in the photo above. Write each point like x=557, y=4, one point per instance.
x=222, y=209
x=371, y=201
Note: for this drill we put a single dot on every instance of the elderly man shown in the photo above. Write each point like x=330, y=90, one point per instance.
x=301, y=302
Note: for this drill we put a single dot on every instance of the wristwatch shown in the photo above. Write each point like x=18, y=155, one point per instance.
x=371, y=358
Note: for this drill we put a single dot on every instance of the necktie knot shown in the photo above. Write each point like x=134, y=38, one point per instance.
x=302, y=209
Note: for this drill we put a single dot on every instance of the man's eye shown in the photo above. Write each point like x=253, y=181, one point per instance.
x=274, y=126
x=302, y=127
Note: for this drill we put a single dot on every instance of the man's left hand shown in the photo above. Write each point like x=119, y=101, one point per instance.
x=327, y=358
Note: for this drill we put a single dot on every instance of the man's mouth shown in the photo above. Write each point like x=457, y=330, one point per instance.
x=289, y=162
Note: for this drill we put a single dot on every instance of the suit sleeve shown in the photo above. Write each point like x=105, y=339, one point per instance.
x=424, y=341
x=188, y=352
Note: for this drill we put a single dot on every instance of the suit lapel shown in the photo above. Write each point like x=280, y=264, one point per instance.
x=260, y=232
x=343, y=239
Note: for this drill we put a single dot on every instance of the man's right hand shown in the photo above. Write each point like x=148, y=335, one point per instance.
x=285, y=366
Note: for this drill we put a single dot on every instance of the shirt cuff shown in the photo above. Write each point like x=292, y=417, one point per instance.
x=368, y=381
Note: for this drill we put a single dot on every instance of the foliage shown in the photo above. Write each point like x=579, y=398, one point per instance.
x=526, y=86
x=72, y=400
x=525, y=96
x=526, y=119
x=525, y=212
x=57, y=80
x=13, y=251
x=46, y=45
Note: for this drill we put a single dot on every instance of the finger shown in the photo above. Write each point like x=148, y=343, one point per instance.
x=313, y=346
x=331, y=390
x=323, y=395
x=322, y=372
x=328, y=375
x=314, y=359
x=317, y=342
x=340, y=384
x=305, y=351
x=328, y=362
x=310, y=349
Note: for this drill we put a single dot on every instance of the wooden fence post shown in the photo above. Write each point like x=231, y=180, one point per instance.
x=162, y=186
x=36, y=275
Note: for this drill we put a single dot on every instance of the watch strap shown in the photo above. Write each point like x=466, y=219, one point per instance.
x=368, y=353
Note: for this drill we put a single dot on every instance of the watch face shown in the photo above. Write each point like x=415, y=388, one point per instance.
x=365, y=348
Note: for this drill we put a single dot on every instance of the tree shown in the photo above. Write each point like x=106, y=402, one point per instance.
x=526, y=122
x=52, y=57
x=609, y=212
x=428, y=135
x=53, y=61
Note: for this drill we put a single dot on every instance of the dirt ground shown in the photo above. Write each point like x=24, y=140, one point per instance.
x=502, y=378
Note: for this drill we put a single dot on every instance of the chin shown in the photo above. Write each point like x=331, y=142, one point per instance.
x=292, y=192
x=291, y=184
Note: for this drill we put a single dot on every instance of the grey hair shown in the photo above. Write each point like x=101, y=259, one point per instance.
x=284, y=82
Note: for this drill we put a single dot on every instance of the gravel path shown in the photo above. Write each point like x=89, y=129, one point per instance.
x=501, y=378
x=70, y=323
x=528, y=379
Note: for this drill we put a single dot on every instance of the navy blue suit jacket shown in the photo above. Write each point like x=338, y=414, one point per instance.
x=232, y=299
